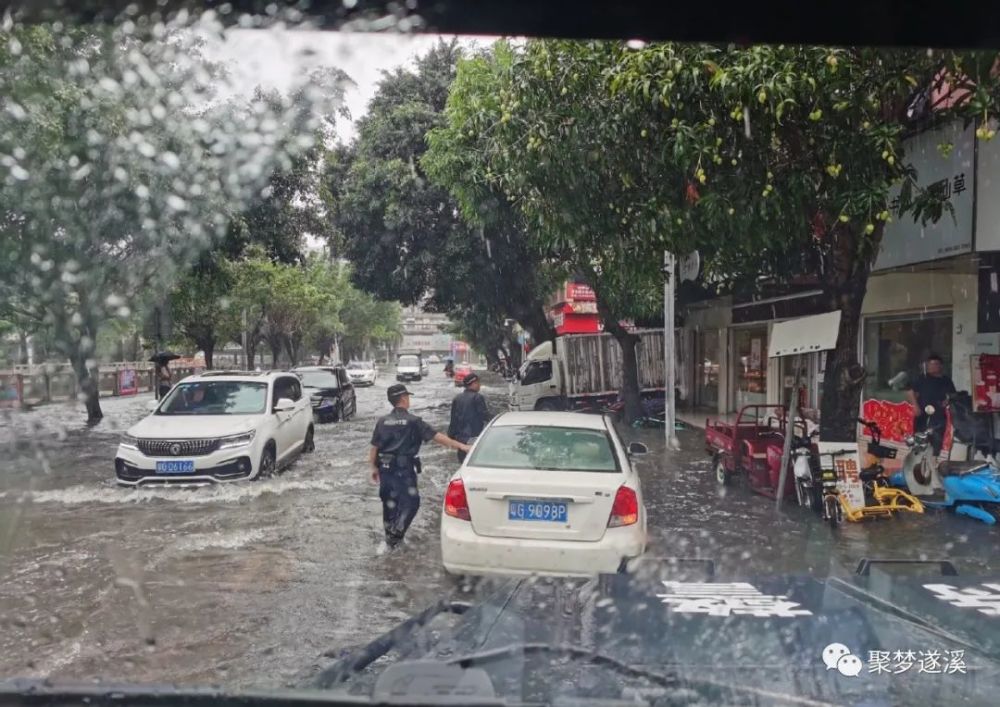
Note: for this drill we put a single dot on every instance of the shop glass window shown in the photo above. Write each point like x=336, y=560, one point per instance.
x=896, y=348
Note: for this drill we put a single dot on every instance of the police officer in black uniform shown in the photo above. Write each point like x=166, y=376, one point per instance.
x=469, y=413
x=395, y=462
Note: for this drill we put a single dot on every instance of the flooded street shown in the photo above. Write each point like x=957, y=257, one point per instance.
x=249, y=584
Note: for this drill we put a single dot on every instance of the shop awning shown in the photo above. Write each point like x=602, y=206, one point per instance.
x=804, y=335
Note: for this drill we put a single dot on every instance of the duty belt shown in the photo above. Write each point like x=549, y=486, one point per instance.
x=398, y=459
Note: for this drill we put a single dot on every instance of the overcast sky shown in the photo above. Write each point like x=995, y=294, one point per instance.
x=280, y=58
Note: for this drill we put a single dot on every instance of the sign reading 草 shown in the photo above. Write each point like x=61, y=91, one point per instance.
x=951, y=175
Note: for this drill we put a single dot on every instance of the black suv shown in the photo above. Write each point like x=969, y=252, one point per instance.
x=330, y=391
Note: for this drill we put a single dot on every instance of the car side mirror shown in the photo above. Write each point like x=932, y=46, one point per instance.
x=636, y=449
x=284, y=404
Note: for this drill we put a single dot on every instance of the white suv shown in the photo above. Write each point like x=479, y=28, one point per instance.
x=218, y=426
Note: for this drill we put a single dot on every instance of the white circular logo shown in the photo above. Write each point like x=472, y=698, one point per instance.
x=175, y=449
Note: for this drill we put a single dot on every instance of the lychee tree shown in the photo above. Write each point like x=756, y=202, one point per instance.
x=791, y=154
x=539, y=125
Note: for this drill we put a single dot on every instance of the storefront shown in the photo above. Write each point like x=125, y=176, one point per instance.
x=707, y=359
x=749, y=366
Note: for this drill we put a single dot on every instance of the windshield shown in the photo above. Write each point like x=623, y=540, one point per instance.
x=708, y=249
x=215, y=398
x=318, y=379
x=544, y=448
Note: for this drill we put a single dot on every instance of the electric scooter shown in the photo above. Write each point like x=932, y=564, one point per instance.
x=970, y=488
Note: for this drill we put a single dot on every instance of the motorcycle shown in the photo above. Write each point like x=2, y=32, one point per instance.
x=968, y=487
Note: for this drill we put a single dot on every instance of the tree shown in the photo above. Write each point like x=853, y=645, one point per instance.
x=404, y=234
x=790, y=156
x=115, y=175
x=201, y=307
x=539, y=126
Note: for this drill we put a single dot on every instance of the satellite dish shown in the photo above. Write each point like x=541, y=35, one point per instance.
x=689, y=266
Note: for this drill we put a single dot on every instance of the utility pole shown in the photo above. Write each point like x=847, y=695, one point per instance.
x=669, y=360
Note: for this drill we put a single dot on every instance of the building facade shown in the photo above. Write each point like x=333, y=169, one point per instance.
x=934, y=288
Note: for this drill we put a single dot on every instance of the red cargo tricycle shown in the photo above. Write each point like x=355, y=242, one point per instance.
x=751, y=446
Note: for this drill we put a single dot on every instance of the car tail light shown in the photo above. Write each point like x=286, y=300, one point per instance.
x=625, y=509
x=455, y=502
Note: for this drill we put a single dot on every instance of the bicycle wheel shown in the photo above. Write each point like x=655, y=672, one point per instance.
x=831, y=510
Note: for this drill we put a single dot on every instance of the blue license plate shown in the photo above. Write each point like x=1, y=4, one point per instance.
x=179, y=466
x=537, y=510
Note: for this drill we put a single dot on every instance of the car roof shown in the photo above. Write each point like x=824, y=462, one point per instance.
x=545, y=418
x=247, y=376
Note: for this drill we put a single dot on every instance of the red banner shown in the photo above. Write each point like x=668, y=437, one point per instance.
x=127, y=383
x=895, y=420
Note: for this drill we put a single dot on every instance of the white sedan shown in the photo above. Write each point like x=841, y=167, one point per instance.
x=548, y=493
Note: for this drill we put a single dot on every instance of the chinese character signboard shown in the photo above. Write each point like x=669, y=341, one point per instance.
x=578, y=292
x=949, y=173
x=847, y=468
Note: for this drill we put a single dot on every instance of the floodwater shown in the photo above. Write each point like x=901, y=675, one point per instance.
x=248, y=585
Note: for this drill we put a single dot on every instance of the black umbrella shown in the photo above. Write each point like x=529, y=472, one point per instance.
x=164, y=357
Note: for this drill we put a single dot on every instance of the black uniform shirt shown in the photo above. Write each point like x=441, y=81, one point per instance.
x=468, y=416
x=401, y=433
x=931, y=390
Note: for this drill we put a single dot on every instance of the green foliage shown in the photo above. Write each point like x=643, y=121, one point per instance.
x=119, y=166
x=404, y=232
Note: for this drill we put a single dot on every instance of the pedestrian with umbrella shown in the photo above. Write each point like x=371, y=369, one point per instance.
x=164, y=376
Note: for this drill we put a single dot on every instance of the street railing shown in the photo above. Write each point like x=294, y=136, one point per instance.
x=28, y=386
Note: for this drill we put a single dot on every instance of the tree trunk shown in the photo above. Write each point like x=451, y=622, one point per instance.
x=22, y=347
x=630, y=374
x=208, y=347
x=630, y=365
x=843, y=377
x=275, y=346
x=87, y=379
x=251, y=353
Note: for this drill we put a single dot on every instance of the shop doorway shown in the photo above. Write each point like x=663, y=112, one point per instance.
x=749, y=366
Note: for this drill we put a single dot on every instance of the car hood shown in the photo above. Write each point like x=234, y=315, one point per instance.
x=193, y=426
x=756, y=640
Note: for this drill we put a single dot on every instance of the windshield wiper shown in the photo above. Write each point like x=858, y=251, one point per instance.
x=665, y=680
x=359, y=660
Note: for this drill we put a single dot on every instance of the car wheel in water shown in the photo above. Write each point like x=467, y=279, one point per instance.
x=268, y=463
x=722, y=475
x=309, y=445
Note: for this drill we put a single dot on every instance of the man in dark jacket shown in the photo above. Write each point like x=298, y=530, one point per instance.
x=931, y=389
x=469, y=413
